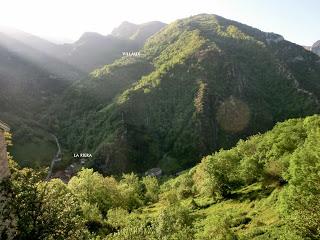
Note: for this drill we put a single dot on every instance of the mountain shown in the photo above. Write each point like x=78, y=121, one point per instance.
x=26, y=90
x=200, y=84
x=30, y=40
x=39, y=52
x=137, y=32
x=94, y=50
x=35, y=72
x=31, y=78
x=90, y=51
x=316, y=48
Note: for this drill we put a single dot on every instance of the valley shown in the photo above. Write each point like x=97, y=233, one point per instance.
x=204, y=128
x=139, y=111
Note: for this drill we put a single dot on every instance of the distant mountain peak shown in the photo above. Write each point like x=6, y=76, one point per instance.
x=90, y=35
x=128, y=30
x=316, y=47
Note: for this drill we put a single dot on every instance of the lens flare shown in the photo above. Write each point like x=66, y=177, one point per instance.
x=233, y=115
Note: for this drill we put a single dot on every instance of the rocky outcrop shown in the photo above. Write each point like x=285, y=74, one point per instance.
x=273, y=38
x=316, y=48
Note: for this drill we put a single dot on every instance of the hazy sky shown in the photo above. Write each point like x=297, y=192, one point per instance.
x=297, y=20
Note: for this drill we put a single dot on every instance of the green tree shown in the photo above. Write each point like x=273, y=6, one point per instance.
x=152, y=189
x=217, y=174
x=8, y=220
x=132, y=190
x=175, y=222
x=301, y=200
x=44, y=210
x=92, y=188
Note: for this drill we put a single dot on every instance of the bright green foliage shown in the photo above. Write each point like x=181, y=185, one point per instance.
x=44, y=210
x=263, y=158
x=267, y=187
x=302, y=196
x=132, y=190
x=220, y=172
x=135, y=231
x=219, y=229
x=180, y=187
x=152, y=189
x=97, y=191
x=118, y=217
x=174, y=222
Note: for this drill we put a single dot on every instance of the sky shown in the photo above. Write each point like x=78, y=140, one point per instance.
x=66, y=20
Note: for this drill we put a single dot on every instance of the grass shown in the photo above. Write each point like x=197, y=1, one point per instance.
x=246, y=216
x=35, y=154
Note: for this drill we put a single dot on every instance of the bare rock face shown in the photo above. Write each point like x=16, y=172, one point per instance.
x=4, y=168
x=316, y=48
x=273, y=38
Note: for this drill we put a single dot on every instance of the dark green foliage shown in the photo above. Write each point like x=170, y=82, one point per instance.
x=26, y=91
x=208, y=79
x=8, y=219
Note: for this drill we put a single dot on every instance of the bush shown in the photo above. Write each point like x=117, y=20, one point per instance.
x=152, y=189
x=175, y=222
x=217, y=173
x=132, y=190
x=217, y=229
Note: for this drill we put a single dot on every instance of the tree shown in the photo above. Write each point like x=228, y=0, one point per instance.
x=301, y=200
x=132, y=190
x=44, y=210
x=92, y=188
x=175, y=222
x=217, y=173
x=8, y=220
x=152, y=189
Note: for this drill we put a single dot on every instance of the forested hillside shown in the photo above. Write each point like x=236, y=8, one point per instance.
x=266, y=187
x=202, y=129
x=26, y=91
x=34, y=73
x=200, y=84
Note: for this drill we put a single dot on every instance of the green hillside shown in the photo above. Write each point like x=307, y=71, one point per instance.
x=210, y=82
x=26, y=91
x=266, y=187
